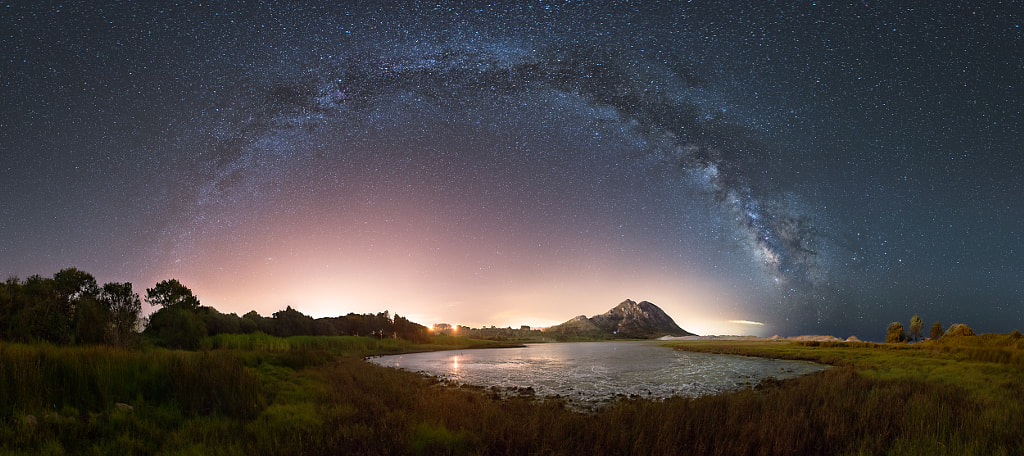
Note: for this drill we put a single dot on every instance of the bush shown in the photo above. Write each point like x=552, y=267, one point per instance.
x=176, y=327
x=959, y=329
x=895, y=333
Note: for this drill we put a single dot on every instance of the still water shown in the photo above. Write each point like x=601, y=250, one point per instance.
x=594, y=373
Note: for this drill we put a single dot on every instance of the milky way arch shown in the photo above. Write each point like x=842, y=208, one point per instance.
x=670, y=114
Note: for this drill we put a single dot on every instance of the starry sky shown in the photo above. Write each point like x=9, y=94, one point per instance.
x=752, y=167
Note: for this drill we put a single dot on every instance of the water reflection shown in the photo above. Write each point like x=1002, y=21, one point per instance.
x=593, y=373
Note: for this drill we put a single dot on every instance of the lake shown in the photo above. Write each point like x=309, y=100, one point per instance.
x=595, y=373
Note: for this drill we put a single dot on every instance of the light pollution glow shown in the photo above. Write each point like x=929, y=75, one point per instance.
x=430, y=278
x=427, y=296
x=746, y=322
x=425, y=257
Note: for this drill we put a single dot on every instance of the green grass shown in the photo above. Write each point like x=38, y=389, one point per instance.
x=978, y=363
x=257, y=394
x=957, y=395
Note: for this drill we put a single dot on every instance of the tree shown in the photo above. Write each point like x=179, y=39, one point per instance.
x=408, y=330
x=258, y=323
x=35, y=315
x=219, y=323
x=125, y=308
x=71, y=287
x=176, y=327
x=71, y=284
x=171, y=293
x=936, y=331
x=92, y=321
x=290, y=322
x=916, y=325
x=247, y=326
x=895, y=333
x=10, y=305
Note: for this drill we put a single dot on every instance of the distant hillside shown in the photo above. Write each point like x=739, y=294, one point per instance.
x=628, y=320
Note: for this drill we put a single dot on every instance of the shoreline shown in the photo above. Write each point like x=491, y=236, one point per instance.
x=802, y=338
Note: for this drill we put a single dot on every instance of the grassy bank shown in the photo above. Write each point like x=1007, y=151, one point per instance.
x=241, y=394
x=257, y=395
x=956, y=395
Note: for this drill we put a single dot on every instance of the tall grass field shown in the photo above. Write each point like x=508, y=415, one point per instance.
x=258, y=394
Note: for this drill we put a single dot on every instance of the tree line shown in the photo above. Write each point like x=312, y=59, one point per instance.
x=71, y=308
x=895, y=332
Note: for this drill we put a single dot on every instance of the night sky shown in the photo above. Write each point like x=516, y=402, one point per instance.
x=813, y=168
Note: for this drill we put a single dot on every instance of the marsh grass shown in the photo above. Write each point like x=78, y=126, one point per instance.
x=957, y=395
x=258, y=395
x=44, y=378
x=104, y=400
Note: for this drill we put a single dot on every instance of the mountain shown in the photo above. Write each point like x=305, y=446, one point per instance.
x=628, y=320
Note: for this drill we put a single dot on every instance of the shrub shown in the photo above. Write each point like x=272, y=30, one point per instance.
x=176, y=327
x=959, y=329
x=895, y=333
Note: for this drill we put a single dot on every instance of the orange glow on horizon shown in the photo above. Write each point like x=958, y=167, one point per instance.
x=429, y=274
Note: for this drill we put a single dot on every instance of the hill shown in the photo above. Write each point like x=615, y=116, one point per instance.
x=628, y=320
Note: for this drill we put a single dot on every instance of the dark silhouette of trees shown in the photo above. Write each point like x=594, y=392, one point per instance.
x=290, y=322
x=895, y=333
x=350, y=325
x=32, y=310
x=936, y=331
x=124, y=309
x=177, y=324
x=247, y=326
x=261, y=323
x=221, y=323
x=72, y=284
x=9, y=292
x=70, y=308
x=176, y=327
x=405, y=329
x=74, y=289
x=92, y=321
x=172, y=293
x=64, y=309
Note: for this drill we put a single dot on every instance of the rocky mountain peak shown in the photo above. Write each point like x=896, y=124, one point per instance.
x=629, y=319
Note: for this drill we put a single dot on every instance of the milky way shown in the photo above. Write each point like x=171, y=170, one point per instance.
x=811, y=169
x=661, y=132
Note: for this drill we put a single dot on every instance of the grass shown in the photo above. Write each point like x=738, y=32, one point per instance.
x=258, y=394
x=957, y=395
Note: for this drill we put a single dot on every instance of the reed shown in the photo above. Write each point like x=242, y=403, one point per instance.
x=40, y=379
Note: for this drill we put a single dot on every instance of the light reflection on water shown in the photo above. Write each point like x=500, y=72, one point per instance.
x=594, y=373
